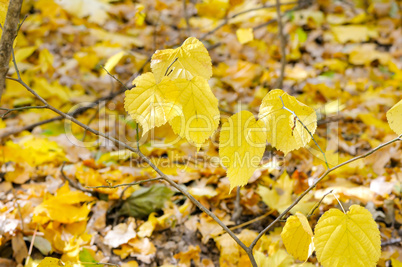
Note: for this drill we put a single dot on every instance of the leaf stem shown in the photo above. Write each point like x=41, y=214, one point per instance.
x=305, y=127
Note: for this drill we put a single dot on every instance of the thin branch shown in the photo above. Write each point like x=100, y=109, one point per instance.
x=340, y=204
x=9, y=110
x=305, y=127
x=318, y=204
x=111, y=75
x=10, y=30
x=78, y=111
x=129, y=184
x=149, y=162
x=226, y=20
x=315, y=184
x=31, y=245
x=391, y=242
x=99, y=263
x=186, y=18
x=269, y=22
x=237, y=207
x=89, y=123
x=74, y=184
x=252, y=221
x=279, y=82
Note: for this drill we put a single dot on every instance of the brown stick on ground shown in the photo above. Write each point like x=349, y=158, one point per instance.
x=7, y=39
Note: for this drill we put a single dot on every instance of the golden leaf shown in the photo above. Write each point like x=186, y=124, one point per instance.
x=245, y=35
x=297, y=236
x=350, y=239
x=241, y=147
x=189, y=60
x=394, y=117
x=199, y=115
x=146, y=102
x=284, y=131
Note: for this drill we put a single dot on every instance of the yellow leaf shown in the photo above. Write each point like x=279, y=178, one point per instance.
x=65, y=207
x=53, y=262
x=367, y=53
x=192, y=254
x=50, y=262
x=112, y=61
x=396, y=263
x=189, y=60
x=278, y=259
x=394, y=117
x=282, y=132
x=146, y=102
x=199, y=115
x=280, y=196
x=350, y=239
x=46, y=60
x=241, y=147
x=353, y=33
x=245, y=35
x=23, y=53
x=297, y=236
x=214, y=9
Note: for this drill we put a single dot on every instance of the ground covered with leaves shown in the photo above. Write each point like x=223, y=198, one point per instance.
x=343, y=60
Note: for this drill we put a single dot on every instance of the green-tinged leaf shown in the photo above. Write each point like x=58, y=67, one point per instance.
x=146, y=200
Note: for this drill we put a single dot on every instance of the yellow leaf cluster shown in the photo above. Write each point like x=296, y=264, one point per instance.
x=177, y=92
x=340, y=239
x=64, y=215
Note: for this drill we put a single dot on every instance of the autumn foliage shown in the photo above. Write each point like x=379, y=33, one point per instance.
x=152, y=133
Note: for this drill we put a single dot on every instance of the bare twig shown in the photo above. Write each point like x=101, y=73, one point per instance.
x=78, y=111
x=252, y=221
x=111, y=75
x=129, y=184
x=279, y=82
x=31, y=245
x=10, y=30
x=391, y=242
x=9, y=110
x=186, y=18
x=145, y=159
x=74, y=184
x=89, y=123
x=237, y=207
x=315, y=184
x=318, y=204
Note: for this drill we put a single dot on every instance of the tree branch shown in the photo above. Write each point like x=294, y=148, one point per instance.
x=315, y=184
x=143, y=157
x=279, y=82
x=10, y=30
